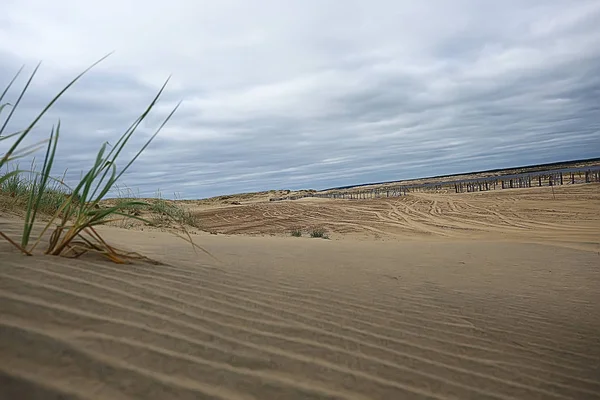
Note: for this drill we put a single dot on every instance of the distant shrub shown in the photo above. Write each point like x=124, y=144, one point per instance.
x=296, y=233
x=319, y=233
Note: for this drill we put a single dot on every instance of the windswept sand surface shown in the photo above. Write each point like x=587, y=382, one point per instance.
x=570, y=216
x=435, y=316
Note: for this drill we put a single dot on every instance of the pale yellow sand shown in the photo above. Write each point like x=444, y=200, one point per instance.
x=568, y=217
x=428, y=310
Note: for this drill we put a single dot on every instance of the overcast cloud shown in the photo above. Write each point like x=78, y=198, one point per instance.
x=312, y=93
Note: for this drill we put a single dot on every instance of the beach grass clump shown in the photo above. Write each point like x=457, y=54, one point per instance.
x=16, y=189
x=159, y=211
x=319, y=233
x=296, y=232
x=165, y=211
x=75, y=212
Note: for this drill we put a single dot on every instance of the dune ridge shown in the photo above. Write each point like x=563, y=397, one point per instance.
x=562, y=215
x=443, y=316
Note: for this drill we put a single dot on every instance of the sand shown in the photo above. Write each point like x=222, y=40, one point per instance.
x=434, y=296
x=566, y=216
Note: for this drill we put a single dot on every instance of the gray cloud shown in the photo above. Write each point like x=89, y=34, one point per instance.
x=313, y=94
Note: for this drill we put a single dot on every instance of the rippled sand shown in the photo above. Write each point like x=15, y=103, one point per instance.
x=297, y=318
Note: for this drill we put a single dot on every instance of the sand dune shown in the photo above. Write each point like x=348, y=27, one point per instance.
x=447, y=313
x=567, y=216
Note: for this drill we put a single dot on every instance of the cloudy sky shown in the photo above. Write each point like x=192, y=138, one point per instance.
x=312, y=93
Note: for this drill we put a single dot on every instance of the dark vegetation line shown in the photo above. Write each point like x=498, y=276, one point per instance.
x=530, y=168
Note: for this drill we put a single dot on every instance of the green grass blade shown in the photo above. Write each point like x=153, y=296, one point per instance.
x=40, y=186
x=43, y=112
x=79, y=211
x=113, y=180
x=6, y=89
x=98, y=216
x=6, y=177
x=119, y=146
x=12, y=81
x=149, y=140
x=24, y=152
x=87, y=181
x=12, y=111
x=10, y=135
x=16, y=105
x=2, y=107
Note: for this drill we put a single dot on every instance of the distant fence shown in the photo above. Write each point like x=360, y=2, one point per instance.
x=539, y=179
x=365, y=194
x=513, y=181
x=289, y=198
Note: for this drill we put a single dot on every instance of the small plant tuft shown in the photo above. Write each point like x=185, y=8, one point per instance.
x=319, y=233
x=296, y=233
x=165, y=211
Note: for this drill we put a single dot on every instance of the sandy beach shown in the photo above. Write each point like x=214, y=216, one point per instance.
x=489, y=295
